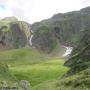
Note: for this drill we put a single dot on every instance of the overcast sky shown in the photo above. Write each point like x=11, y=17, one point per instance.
x=37, y=10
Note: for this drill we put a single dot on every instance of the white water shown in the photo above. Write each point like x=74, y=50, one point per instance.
x=30, y=40
x=68, y=51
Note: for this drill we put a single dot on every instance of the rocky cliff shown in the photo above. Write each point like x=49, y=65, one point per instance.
x=13, y=33
x=44, y=40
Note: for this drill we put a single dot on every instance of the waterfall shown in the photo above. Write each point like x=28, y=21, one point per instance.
x=30, y=40
x=68, y=51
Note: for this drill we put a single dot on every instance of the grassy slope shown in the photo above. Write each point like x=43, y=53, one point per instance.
x=79, y=81
x=76, y=82
x=5, y=75
x=38, y=73
x=31, y=65
x=44, y=73
x=58, y=51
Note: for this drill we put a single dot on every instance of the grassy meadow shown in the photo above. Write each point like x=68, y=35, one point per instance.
x=29, y=64
x=43, y=72
x=39, y=72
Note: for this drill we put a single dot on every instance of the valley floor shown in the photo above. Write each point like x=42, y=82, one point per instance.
x=28, y=64
x=43, y=73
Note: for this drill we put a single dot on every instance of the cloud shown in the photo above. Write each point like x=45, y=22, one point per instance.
x=2, y=6
x=85, y=3
x=36, y=10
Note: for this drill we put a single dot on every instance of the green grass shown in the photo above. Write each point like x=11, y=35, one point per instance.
x=80, y=81
x=21, y=56
x=33, y=66
x=40, y=72
x=48, y=85
x=44, y=73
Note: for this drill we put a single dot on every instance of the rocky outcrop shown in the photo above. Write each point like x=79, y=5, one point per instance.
x=14, y=33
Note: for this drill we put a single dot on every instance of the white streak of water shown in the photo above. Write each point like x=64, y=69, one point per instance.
x=68, y=51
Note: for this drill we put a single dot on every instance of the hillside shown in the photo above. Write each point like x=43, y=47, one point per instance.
x=65, y=27
x=31, y=65
x=80, y=57
x=7, y=79
x=13, y=33
x=78, y=76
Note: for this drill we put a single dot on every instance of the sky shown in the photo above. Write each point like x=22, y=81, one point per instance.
x=37, y=10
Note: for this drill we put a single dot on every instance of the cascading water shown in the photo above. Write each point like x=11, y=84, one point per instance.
x=30, y=40
x=68, y=51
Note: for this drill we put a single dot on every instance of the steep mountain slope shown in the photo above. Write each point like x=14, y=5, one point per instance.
x=80, y=57
x=44, y=40
x=13, y=33
x=66, y=27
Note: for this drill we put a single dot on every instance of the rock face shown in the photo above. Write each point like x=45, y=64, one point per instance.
x=14, y=33
x=44, y=40
x=80, y=57
x=66, y=27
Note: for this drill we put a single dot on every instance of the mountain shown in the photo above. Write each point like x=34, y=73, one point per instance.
x=44, y=40
x=13, y=33
x=66, y=28
x=78, y=75
x=71, y=29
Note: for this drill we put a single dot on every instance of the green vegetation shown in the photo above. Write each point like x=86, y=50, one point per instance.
x=78, y=76
x=46, y=71
x=5, y=73
x=48, y=85
x=39, y=72
x=23, y=55
x=7, y=79
x=80, y=81
x=33, y=66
